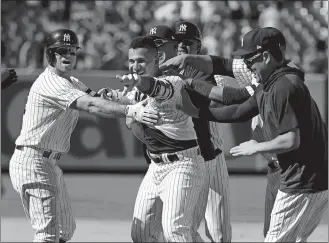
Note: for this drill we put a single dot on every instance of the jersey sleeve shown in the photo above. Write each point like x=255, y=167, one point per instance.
x=58, y=91
x=241, y=73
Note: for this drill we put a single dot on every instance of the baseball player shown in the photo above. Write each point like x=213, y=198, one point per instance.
x=174, y=179
x=294, y=130
x=216, y=195
x=8, y=77
x=238, y=69
x=51, y=113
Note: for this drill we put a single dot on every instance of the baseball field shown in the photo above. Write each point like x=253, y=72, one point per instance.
x=103, y=207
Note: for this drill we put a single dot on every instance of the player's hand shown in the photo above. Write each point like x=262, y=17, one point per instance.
x=177, y=62
x=129, y=80
x=246, y=148
x=8, y=77
x=185, y=104
x=140, y=113
x=111, y=94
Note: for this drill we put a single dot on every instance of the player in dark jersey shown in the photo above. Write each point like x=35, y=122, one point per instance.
x=295, y=132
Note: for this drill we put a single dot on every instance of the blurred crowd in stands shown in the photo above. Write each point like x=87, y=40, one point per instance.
x=105, y=28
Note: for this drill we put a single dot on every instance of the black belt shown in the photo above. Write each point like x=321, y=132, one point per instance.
x=159, y=159
x=46, y=153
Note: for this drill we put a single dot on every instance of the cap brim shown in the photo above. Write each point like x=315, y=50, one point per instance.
x=184, y=36
x=243, y=52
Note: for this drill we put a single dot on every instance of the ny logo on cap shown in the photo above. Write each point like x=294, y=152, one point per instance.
x=182, y=27
x=153, y=31
x=66, y=37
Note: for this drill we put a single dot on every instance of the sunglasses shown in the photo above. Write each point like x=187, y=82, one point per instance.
x=250, y=61
x=160, y=42
x=65, y=51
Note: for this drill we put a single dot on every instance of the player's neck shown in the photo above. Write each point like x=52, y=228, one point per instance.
x=65, y=75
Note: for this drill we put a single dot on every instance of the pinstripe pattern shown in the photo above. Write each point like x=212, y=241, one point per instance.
x=296, y=215
x=47, y=125
x=214, y=201
x=216, y=209
x=172, y=122
x=47, y=122
x=40, y=184
x=272, y=187
x=167, y=199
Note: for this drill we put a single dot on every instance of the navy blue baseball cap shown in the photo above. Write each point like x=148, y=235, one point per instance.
x=260, y=39
x=185, y=30
x=161, y=31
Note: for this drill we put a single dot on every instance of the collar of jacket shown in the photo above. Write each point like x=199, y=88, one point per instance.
x=284, y=69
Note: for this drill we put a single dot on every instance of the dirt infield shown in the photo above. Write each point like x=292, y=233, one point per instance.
x=103, y=205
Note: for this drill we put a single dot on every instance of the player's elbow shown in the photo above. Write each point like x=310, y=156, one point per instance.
x=85, y=103
x=291, y=139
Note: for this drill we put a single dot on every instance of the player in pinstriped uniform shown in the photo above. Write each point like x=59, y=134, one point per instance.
x=175, y=177
x=51, y=113
x=293, y=129
x=243, y=76
x=215, y=199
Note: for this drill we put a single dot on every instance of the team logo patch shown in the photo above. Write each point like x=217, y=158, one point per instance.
x=67, y=37
x=153, y=31
x=182, y=28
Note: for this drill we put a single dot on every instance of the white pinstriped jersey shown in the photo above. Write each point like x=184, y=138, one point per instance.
x=48, y=121
x=172, y=122
x=215, y=134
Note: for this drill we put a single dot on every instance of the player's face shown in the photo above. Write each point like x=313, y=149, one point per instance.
x=66, y=58
x=188, y=46
x=143, y=61
x=259, y=65
x=166, y=49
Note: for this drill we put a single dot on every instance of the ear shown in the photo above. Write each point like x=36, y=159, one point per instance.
x=267, y=57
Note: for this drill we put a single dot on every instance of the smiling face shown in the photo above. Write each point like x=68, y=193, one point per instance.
x=143, y=60
x=261, y=64
x=65, y=58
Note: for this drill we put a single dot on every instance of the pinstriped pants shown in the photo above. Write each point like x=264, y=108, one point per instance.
x=296, y=215
x=167, y=199
x=272, y=188
x=40, y=184
x=214, y=203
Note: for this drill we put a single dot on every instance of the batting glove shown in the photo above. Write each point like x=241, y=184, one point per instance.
x=140, y=113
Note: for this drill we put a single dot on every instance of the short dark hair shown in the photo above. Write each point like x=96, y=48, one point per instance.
x=276, y=53
x=142, y=41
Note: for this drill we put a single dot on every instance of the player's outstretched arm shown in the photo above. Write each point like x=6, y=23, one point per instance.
x=223, y=94
x=281, y=144
x=161, y=89
x=115, y=95
x=205, y=63
x=110, y=109
x=227, y=114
